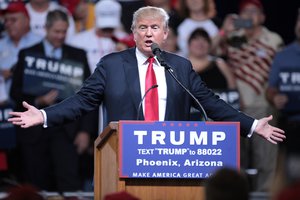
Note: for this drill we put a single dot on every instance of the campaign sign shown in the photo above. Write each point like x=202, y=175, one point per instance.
x=177, y=149
x=289, y=84
x=7, y=129
x=232, y=97
x=42, y=74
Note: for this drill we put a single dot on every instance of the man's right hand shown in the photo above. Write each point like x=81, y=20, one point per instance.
x=228, y=24
x=31, y=117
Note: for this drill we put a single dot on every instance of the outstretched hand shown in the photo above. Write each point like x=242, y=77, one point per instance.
x=270, y=133
x=31, y=117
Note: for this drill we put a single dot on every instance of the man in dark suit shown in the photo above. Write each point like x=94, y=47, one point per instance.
x=49, y=157
x=119, y=82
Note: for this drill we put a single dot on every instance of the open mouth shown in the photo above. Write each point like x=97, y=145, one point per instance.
x=148, y=43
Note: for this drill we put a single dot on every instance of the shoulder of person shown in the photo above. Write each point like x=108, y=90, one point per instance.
x=272, y=38
x=34, y=47
x=69, y=47
x=176, y=61
x=184, y=23
x=3, y=41
x=174, y=56
x=116, y=56
x=287, y=50
x=83, y=37
x=32, y=35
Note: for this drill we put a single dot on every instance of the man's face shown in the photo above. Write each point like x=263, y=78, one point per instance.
x=16, y=24
x=56, y=34
x=147, y=31
x=252, y=12
x=81, y=10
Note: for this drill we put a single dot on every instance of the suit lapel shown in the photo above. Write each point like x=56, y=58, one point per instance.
x=65, y=52
x=171, y=87
x=41, y=49
x=132, y=77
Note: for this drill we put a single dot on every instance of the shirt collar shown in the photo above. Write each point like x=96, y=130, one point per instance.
x=142, y=58
x=50, y=50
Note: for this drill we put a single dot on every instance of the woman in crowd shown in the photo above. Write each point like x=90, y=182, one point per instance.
x=213, y=70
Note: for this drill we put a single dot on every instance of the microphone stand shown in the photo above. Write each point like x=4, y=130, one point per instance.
x=170, y=70
x=141, y=102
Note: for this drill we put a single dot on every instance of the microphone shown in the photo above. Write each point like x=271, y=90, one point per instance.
x=157, y=52
x=141, y=102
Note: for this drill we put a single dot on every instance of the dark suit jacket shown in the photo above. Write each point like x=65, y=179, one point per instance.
x=17, y=94
x=116, y=83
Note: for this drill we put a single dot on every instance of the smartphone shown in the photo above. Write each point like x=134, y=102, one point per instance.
x=242, y=23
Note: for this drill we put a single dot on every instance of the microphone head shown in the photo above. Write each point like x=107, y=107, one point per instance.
x=155, y=48
x=154, y=86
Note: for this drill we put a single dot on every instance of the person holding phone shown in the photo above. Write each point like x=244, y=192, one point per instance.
x=250, y=48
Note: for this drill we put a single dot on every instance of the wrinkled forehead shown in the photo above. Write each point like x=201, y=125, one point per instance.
x=150, y=19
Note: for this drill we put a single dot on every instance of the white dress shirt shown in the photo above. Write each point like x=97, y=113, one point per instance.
x=160, y=79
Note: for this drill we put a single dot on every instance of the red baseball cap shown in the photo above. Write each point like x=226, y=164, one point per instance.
x=256, y=3
x=15, y=7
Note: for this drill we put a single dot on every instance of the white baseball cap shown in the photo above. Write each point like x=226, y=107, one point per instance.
x=108, y=14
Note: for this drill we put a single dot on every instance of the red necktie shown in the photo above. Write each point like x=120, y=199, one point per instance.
x=151, y=99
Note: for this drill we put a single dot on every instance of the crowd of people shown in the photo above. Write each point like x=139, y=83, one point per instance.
x=235, y=54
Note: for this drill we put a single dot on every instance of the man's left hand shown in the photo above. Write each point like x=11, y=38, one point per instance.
x=270, y=133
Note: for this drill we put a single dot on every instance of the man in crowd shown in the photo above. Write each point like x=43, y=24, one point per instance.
x=49, y=157
x=284, y=94
x=19, y=36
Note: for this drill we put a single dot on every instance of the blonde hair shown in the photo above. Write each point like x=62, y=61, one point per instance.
x=150, y=12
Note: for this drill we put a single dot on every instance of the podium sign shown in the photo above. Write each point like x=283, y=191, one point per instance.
x=177, y=149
